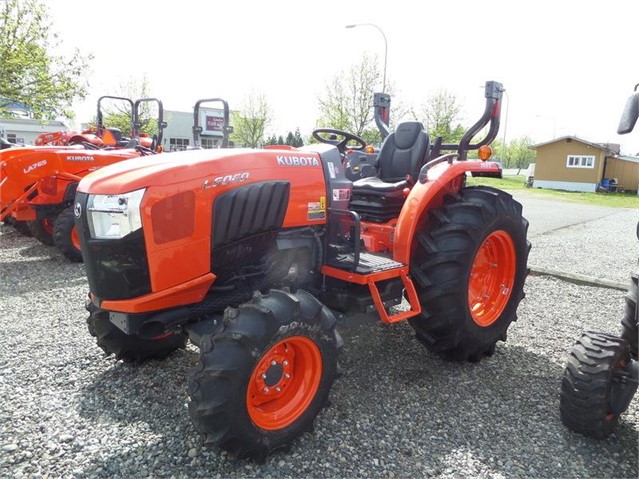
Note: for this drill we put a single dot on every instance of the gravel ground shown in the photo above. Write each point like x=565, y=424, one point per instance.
x=397, y=411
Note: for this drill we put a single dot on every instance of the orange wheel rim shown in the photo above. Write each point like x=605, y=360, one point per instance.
x=491, y=278
x=47, y=225
x=75, y=238
x=284, y=383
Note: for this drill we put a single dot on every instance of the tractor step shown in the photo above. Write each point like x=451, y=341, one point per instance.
x=368, y=263
x=381, y=269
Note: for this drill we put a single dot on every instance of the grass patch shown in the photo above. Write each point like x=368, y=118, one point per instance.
x=616, y=200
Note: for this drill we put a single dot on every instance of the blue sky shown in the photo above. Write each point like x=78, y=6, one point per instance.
x=568, y=66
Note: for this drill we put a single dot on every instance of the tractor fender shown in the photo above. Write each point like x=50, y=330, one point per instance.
x=427, y=194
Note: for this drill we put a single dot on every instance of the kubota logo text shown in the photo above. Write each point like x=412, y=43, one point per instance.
x=30, y=168
x=225, y=180
x=80, y=158
x=297, y=161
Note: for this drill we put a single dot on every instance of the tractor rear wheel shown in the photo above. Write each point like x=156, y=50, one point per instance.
x=630, y=320
x=42, y=230
x=588, y=384
x=469, y=264
x=65, y=235
x=262, y=379
x=129, y=348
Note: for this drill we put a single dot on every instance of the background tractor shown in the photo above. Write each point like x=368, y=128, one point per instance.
x=247, y=253
x=602, y=371
x=37, y=184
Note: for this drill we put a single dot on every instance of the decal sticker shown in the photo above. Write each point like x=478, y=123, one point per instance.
x=297, y=161
x=341, y=195
x=225, y=180
x=34, y=166
x=331, y=170
x=314, y=206
x=322, y=202
x=316, y=215
x=80, y=158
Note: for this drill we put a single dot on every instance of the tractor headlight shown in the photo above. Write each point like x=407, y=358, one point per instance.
x=114, y=216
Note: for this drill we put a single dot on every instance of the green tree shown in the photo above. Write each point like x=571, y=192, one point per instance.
x=441, y=116
x=280, y=140
x=519, y=154
x=29, y=71
x=272, y=140
x=298, y=138
x=347, y=103
x=249, y=123
x=290, y=139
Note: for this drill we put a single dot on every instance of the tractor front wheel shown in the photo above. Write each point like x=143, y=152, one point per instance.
x=469, y=264
x=130, y=348
x=630, y=320
x=65, y=235
x=262, y=379
x=594, y=371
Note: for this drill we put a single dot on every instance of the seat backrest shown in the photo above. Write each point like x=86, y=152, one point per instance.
x=403, y=152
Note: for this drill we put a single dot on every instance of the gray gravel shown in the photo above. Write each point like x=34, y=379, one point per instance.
x=397, y=411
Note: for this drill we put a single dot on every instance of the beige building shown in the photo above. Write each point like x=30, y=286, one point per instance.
x=570, y=163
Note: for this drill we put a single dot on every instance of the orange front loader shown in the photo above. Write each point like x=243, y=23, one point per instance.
x=246, y=253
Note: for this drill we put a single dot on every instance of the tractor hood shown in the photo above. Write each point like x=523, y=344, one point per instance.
x=179, y=167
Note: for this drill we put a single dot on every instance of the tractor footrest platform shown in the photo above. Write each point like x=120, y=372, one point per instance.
x=391, y=269
x=368, y=263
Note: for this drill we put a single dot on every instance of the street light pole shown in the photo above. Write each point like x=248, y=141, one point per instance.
x=385, y=46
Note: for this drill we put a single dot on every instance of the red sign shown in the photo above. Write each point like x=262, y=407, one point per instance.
x=214, y=123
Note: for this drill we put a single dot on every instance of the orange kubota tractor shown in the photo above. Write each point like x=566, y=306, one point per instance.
x=37, y=184
x=246, y=252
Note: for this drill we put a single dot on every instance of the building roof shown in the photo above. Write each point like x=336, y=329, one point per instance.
x=610, y=148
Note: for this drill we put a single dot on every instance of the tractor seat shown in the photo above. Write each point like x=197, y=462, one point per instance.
x=403, y=153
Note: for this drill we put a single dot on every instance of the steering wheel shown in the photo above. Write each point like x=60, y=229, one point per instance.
x=144, y=150
x=342, y=143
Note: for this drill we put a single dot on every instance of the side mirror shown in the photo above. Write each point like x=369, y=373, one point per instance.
x=629, y=115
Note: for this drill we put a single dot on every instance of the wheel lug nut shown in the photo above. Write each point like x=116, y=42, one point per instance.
x=265, y=390
x=273, y=363
x=285, y=363
x=278, y=389
x=263, y=376
x=287, y=376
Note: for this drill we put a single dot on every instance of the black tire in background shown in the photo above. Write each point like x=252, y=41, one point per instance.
x=42, y=230
x=22, y=227
x=65, y=235
x=129, y=348
x=264, y=376
x=462, y=252
x=630, y=320
x=587, y=383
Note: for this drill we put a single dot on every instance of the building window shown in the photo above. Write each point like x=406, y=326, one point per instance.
x=209, y=143
x=12, y=138
x=574, y=161
x=178, y=144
